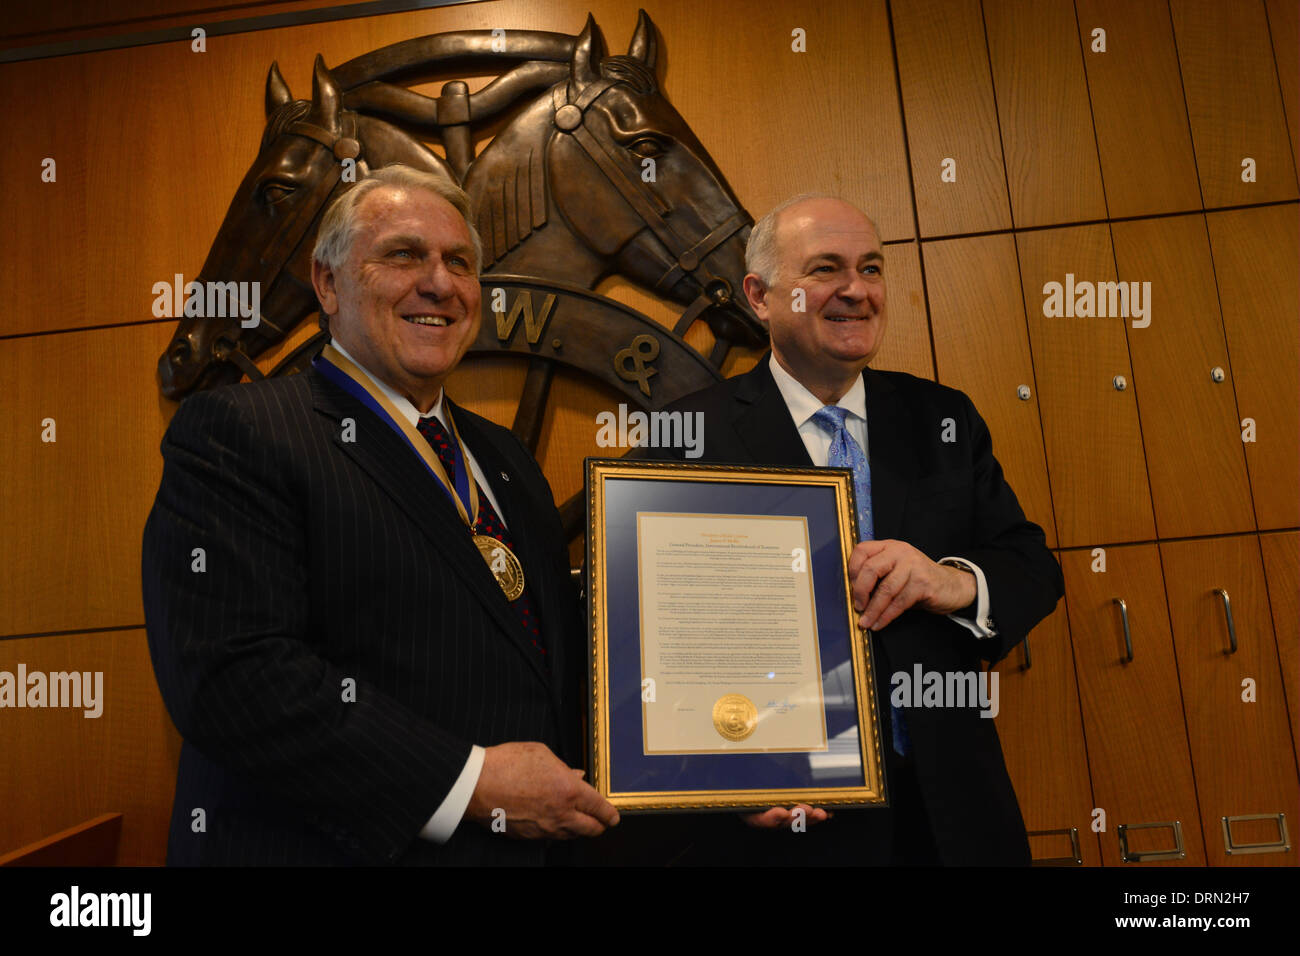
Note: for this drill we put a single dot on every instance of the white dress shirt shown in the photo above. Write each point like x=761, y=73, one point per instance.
x=803, y=405
x=447, y=817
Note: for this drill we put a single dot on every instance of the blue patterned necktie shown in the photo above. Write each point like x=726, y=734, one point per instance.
x=847, y=453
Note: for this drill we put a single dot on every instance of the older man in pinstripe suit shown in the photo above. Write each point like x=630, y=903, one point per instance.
x=357, y=593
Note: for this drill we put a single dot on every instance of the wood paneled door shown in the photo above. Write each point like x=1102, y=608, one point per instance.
x=1042, y=742
x=1233, y=700
x=1132, y=707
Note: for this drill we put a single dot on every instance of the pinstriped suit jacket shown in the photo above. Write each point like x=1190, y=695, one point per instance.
x=326, y=561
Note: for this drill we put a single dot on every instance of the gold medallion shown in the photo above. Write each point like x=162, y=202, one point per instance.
x=735, y=716
x=503, y=564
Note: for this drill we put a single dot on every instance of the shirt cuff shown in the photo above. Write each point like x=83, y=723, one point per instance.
x=447, y=817
x=982, y=626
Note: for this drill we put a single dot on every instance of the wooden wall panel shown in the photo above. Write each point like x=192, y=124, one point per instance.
x=1255, y=256
x=1189, y=422
x=161, y=184
x=906, y=345
x=1241, y=750
x=72, y=511
x=33, y=24
x=951, y=114
x=1137, y=108
x=1042, y=94
x=157, y=187
x=1233, y=101
x=1132, y=712
x=982, y=348
x=783, y=123
x=1090, y=428
x=44, y=249
x=1282, y=572
x=59, y=768
x=1284, y=31
x=1042, y=741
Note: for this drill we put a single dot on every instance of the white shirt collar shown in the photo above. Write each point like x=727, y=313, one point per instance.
x=400, y=401
x=803, y=404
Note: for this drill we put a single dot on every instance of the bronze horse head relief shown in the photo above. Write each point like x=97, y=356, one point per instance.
x=597, y=175
x=270, y=227
x=639, y=196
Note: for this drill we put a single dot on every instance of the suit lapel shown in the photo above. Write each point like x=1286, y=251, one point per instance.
x=389, y=461
x=891, y=453
x=763, y=422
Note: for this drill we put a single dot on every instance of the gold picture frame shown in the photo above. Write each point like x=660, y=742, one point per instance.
x=719, y=767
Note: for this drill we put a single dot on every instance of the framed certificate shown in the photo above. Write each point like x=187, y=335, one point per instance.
x=728, y=669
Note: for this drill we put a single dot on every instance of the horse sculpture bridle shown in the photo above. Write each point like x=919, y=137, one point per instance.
x=297, y=225
x=688, y=252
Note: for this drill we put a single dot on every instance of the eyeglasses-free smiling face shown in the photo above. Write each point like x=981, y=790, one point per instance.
x=405, y=303
x=830, y=262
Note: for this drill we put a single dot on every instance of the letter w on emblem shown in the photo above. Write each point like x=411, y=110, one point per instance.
x=523, y=305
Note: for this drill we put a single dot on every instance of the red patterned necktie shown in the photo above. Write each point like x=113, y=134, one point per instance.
x=489, y=522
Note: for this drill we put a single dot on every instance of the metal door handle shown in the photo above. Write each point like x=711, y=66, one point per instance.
x=1131, y=856
x=1227, y=612
x=1074, y=859
x=1281, y=845
x=1128, y=635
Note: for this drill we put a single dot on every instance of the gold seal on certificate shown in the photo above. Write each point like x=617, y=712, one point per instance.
x=503, y=564
x=735, y=716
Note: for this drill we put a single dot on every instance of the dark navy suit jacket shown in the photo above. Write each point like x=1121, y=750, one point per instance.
x=946, y=498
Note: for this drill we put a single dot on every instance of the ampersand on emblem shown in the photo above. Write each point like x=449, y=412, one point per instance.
x=643, y=350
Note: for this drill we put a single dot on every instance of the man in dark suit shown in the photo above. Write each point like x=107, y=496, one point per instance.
x=357, y=677
x=949, y=573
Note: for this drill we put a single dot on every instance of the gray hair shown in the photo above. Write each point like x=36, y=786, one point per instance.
x=761, y=252
x=338, y=227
